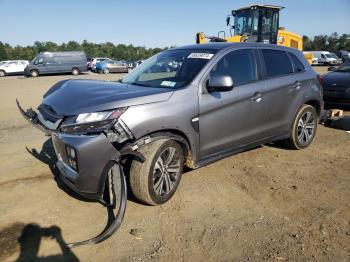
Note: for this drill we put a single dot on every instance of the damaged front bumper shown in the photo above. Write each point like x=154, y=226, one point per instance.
x=34, y=118
x=93, y=155
x=83, y=160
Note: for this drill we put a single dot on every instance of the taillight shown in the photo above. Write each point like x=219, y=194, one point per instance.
x=320, y=79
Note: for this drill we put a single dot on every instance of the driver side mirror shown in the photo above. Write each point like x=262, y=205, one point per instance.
x=228, y=19
x=220, y=83
x=331, y=68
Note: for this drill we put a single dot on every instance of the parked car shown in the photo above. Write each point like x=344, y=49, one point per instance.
x=94, y=61
x=109, y=66
x=326, y=58
x=344, y=55
x=14, y=67
x=57, y=62
x=336, y=86
x=223, y=99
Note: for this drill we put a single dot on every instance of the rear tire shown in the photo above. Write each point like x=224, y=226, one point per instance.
x=75, y=71
x=34, y=73
x=155, y=181
x=2, y=73
x=304, y=128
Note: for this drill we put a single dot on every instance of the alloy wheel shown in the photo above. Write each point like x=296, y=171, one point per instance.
x=306, y=128
x=166, y=171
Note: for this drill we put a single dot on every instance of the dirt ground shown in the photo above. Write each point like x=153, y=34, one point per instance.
x=268, y=204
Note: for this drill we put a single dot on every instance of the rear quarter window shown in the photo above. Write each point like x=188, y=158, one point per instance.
x=298, y=65
x=277, y=63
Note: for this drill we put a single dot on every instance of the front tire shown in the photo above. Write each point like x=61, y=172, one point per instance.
x=34, y=73
x=156, y=179
x=75, y=71
x=2, y=73
x=304, y=128
x=106, y=71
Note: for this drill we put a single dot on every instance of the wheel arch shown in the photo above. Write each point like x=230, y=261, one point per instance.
x=173, y=134
x=316, y=104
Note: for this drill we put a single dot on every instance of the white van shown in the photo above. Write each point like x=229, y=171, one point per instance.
x=326, y=58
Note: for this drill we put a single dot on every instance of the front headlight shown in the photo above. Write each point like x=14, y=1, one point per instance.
x=91, y=122
x=99, y=116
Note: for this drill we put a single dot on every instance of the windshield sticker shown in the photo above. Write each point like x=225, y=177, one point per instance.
x=168, y=83
x=200, y=55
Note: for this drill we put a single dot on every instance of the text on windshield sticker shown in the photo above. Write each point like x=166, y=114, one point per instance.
x=200, y=55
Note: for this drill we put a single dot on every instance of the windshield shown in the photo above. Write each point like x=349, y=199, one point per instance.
x=331, y=55
x=32, y=62
x=246, y=22
x=170, y=69
x=344, y=67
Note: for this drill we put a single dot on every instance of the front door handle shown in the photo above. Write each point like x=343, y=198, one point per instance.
x=296, y=85
x=257, y=97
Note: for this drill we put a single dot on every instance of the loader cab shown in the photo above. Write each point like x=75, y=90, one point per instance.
x=257, y=23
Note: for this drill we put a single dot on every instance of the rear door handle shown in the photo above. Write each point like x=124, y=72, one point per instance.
x=257, y=97
x=296, y=85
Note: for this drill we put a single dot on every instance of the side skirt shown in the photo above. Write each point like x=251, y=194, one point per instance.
x=218, y=156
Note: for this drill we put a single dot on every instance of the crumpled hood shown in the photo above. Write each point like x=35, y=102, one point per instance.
x=72, y=97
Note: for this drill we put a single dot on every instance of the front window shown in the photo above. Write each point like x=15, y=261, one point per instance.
x=170, y=69
x=246, y=22
x=240, y=65
x=37, y=60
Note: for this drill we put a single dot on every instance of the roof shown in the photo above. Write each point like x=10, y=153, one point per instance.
x=223, y=45
x=214, y=46
x=264, y=6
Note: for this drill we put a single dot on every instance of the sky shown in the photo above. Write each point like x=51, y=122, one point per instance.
x=153, y=23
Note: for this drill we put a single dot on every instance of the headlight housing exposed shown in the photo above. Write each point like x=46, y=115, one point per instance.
x=91, y=122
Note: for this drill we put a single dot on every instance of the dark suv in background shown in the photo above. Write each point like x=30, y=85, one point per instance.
x=218, y=99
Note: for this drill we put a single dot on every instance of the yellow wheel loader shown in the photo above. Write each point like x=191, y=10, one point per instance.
x=257, y=23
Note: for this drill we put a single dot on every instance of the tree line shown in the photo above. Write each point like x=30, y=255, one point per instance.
x=117, y=52
x=332, y=43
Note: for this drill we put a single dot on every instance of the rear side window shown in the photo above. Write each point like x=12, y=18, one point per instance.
x=240, y=65
x=276, y=62
x=298, y=66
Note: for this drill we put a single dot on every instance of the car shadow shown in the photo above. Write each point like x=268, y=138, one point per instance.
x=48, y=156
x=30, y=239
x=279, y=145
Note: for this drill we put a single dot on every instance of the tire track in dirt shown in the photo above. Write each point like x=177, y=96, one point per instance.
x=26, y=179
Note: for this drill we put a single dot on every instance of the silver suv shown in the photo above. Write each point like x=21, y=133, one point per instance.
x=187, y=106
